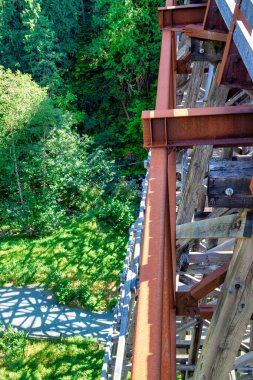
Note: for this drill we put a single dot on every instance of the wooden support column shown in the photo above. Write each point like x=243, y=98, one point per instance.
x=231, y=316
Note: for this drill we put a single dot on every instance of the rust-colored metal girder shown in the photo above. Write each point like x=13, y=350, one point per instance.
x=187, y=302
x=197, y=31
x=198, y=126
x=174, y=17
x=154, y=354
x=148, y=338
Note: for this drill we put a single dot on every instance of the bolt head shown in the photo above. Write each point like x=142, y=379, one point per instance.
x=202, y=51
x=229, y=192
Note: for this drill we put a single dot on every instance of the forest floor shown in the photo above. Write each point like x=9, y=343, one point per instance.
x=34, y=311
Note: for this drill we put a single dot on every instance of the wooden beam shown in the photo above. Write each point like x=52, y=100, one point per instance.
x=230, y=318
x=229, y=183
x=211, y=258
x=243, y=360
x=234, y=226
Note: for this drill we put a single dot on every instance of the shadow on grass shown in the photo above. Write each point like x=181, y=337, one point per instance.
x=34, y=311
x=84, y=255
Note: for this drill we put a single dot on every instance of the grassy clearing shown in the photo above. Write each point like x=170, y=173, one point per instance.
x=71, y=358
x=80, y=263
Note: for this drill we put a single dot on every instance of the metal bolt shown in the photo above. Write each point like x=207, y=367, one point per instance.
x=202, y=50
x=229, y=191
x=237, y=286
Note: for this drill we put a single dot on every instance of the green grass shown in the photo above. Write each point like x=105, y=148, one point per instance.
x=80, y=263
x=71, y=358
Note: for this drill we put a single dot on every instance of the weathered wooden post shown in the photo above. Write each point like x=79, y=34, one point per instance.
x=231, y=316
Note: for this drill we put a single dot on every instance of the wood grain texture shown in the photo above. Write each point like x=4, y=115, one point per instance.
x=230, y=318
x=233, y=226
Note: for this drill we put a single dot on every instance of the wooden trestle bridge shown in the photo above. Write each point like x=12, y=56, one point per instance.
x=194, y=287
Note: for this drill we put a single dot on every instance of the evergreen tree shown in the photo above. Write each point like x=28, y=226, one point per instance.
x=40, y=44
x=11, y=48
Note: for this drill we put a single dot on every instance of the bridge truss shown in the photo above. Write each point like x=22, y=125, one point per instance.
x=223, y=294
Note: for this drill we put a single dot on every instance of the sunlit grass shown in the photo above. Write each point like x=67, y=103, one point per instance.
x=81, y=262
x=71, y=358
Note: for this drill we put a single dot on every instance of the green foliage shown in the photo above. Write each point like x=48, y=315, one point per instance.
x=40, y=37
x=71, y=358
x=42, y=53
x=12, y=344
x=80, y=263
x=115, y=68
x=47, y=174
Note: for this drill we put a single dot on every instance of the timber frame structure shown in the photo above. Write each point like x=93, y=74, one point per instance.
x=162, y=309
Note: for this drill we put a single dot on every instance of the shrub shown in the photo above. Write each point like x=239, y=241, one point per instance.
x=13, y=344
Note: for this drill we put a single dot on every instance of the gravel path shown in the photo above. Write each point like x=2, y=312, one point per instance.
x=34, y=311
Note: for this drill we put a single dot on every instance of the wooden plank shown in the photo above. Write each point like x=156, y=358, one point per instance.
x=243, y=360
x=247, y=11
x=220, y=168
x=233, y=312
x=182, y=243
x=234, y=226
x=186, y=325
x=199, y=257
x=232, y=175
x=206, y=50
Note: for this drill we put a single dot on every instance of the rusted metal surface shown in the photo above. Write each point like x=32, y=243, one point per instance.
x=206, y=311
x=155, y=339
x=187, y=302
x=183, y=66
x=198, y=32
x=210, y=282
x=147, y=346
x=185, y=127
x=234, y=73
x=213, y=20
x=165, y=128
x=175, y=17
x=168, y=362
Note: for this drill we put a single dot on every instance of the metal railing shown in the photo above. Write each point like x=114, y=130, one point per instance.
x=119, y=346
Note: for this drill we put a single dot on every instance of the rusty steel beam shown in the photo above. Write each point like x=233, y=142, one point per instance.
x=182, y=64
x=175, y=17
x=187, y=302
x=210, y=282
x=154, y=354
x=206, y=311
x=197, y=31
x=169, y=285
x=147, y=345
x=213, y=20
x=186, y=127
